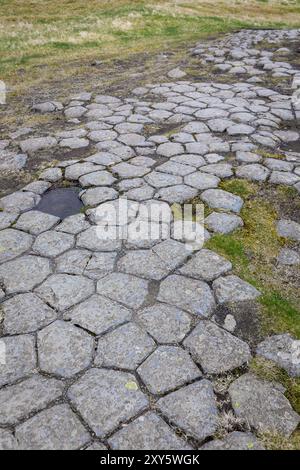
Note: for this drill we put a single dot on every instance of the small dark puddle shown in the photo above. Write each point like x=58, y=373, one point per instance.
x=61, y=202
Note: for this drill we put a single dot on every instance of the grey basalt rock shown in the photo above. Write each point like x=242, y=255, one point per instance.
x=252, y=172
x=35, y=144
x=284, y=350
x=202, y=181
x=73, y=224
x=124, y=288
x=24, y=273
x=20, y=358
x=7, y=219
x=263, y=405
x=36, y=222
x=165, y=323
x=62, y=291
x=107, y=398
x=233, y=289
x=25, y=313
x=143, y=263
x=166, y=369
x=19, y=201
x=13, y=243
x=288, y=257
x=223, y=223
x=64, y=349
x=288, y=229
x=57, y=428
x=94, y=196
x=51, y=174
x=216, y=350
x=189, y=294
x=98, y=314
x=124, y=348
x=53, y=243
x=236, y=440
x=7, y=440
x=220, y=199
x=206, y=265
x=148, y=432
x=31, y=395
x=192, y=408
x=176, y=194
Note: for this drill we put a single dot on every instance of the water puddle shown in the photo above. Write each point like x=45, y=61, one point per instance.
x=61, y=202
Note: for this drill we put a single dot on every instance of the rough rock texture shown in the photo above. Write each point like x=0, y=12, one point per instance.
x=263, y=405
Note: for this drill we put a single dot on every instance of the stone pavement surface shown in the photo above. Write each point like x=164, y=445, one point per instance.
x=113, y=344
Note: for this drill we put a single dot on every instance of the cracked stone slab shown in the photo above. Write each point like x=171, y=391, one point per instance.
x=64, y=349
x=97, y=178
x=252, y=172
x=6, y=219
x=161, y=180
x=107, y=398
x=178, y=194
x=263, y=405
x=165, y=323
x=94, y=196
x=167, y=368
x=98, y=314
x=143, y=263
x=51, y=174
x=124, y=288
x=23, y=274
x=7, y=440
x=73, y=262
x=13, y=243
x=57, y=428
x=193, y=409
x=289, y=229
x=127, y=170
x=31, y=395
x=216, y=350
x=36, y=222
x=206, y=265
x=172, y=253
x=174, y=168
x=19, y=201
x=35, y=144
x=124, y=348
x=221, y=170
x=20, y=358
x=91, y=240
x=220, y=199
x=169, y=149
x=236, y=440
x=74, y=172
x=53, y=243
x=201, y=180
x=147, y=432
x=223, y=223
x=62, y=291
x=100, y=264
x=189, y=294
x=233, y=289
x=26, y=313
x=284, y=177
x=284, y=350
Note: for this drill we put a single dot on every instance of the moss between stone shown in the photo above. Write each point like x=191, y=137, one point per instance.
x=253, y=250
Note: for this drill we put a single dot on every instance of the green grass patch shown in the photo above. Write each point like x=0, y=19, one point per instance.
x=252, y=250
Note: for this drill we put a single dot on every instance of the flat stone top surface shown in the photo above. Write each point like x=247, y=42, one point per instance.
x=113, y=335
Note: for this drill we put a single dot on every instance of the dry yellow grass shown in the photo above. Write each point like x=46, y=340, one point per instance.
x=50, y=39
